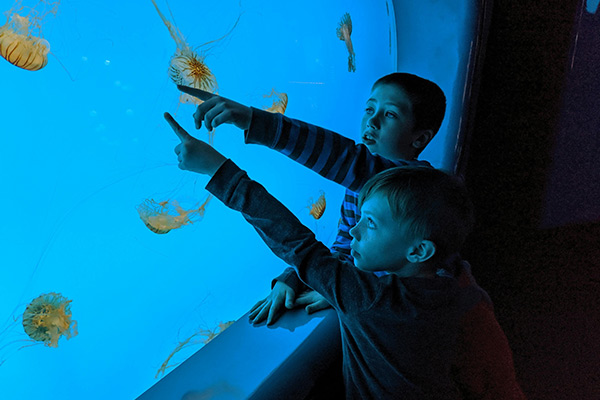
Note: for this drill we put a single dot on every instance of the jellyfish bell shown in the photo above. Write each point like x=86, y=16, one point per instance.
x=188, y=68
x=279, y=104
x=317, y=208
x=21, y=49
x=162, y=217
x=48, y=317
x=21, y=42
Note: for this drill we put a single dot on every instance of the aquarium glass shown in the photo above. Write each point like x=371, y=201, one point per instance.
x=85, y=144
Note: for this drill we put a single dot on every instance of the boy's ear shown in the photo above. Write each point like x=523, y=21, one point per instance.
x=421, y=252
x=422, y=139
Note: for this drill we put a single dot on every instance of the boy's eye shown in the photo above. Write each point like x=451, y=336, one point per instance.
x=370, y=223
x=369, y=110
x=390, y=114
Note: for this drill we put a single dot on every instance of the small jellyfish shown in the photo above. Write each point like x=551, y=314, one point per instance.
x=162, y=217
x=21, y=41
x=343, y=31
x=48, y=317
x=279, y=104
x=318, y=207
x=206, y=336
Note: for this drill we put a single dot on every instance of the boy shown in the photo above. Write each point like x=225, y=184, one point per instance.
x=398, y=331
x=483, y=367
x=402, y=115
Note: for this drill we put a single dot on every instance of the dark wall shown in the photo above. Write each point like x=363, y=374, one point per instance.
x=545, y=282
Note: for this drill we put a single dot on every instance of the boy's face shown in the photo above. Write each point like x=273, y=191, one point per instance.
x=388, y=123
x=379, y=242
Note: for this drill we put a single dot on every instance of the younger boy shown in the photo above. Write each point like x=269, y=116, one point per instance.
x=402, y=115
x=399, y=331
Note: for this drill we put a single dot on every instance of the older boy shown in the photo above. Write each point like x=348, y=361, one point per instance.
x=399, y=331
x=402, y=115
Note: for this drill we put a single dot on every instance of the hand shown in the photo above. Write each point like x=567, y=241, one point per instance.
x=271, y=307
x=217, y=110
x=193, y=154
x=313, y=301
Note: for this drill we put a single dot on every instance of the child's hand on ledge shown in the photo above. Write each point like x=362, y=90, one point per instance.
x=274, y=305
x=193, y=154
x=312, y=300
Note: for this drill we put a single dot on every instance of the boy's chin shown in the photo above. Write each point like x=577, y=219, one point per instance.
x=371, y=147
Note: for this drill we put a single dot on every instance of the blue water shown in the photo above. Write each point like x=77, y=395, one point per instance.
x=84, y=142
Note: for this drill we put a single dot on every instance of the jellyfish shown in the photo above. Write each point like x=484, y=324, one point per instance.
x=48, y=317
x=318, y=207
x=162, y=217
x=343, y=31
x=21, y=41
x=187, y=66
x=45, y=320
x=206, y=336
x=280, y=104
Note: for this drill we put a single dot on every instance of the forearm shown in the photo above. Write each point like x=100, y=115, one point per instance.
x=290, y=278
x=328, y=153
x=278, y=227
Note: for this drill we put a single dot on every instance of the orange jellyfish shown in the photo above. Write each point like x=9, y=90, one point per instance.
x=318, y=207
x=279, y=104
x=343, y=31
x=187, y=66
x=48, y=317
x=21, y=41
x=162, y=217
x=207, y=334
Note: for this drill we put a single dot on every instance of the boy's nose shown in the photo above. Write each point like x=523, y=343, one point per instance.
x=354, y=232
x=373, y=122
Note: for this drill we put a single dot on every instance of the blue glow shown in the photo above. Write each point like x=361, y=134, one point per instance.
x=85, y=144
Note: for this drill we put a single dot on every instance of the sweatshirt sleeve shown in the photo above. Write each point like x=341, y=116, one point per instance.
x=290, y=278
x=290, y=240
x=328, y=153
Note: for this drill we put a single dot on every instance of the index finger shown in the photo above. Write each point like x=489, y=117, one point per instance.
x=179, y=131
x=198, y=93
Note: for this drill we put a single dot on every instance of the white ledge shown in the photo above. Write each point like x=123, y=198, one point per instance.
x=284, y=360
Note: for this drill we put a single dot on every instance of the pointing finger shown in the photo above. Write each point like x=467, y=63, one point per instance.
x=198, y=93
x=179, y=131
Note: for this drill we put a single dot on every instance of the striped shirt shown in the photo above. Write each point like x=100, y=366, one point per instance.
x=329, y=154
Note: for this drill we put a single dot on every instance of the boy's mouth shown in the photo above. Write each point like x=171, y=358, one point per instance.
x=368, y=139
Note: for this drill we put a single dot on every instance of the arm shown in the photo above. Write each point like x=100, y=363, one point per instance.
x=329, y=154
x=347, y=221
x=290, y=278
x=278, y=227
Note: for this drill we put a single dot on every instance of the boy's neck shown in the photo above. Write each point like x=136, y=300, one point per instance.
x=415, y=271
x=407, y=156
